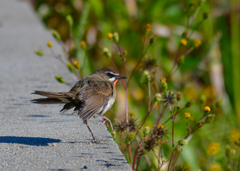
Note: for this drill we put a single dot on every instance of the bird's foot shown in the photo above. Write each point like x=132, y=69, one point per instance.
x=96, y=141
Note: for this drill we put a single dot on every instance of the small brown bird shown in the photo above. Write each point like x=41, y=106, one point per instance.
x=93, y=95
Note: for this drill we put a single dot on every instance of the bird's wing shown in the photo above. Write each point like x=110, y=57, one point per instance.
x=95, y=97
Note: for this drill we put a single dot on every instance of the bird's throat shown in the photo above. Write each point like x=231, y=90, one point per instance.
x=115, y=82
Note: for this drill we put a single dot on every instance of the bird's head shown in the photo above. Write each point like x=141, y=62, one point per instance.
x=111, y=75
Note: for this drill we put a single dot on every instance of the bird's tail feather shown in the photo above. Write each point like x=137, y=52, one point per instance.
x=52, y=97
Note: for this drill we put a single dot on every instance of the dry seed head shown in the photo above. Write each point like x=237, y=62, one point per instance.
x=168, y=97
x=121, y=126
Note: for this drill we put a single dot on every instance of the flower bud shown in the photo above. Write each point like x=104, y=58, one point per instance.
x=153, y=40
x=83, y=45
x=76, y=64
x=182, y=142
x=178, y=108
x=69, y=20
x=164, y=83
x=146, y=130
x=178, y=148
x=148, y=28
x=189, y=104
x=116, y=37
x=179, y=96
x=39, y=52
x=113, y=134
x=70, y=67
x=181, y=60
x=59, y=79
x=147, y=76
x=158, y=97
x=130, y=137
x=56, y=35
x=232, y=152
x=205, y=15
x=201, y=123
x=107, y=53
x=197, y=43
x=124, y=53
x=210, y=118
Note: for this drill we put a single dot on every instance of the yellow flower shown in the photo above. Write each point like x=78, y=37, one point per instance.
x=187, y=114
x=207, y=108
x=49, y=44
x=235, y=136
x=110, y=35
x=214, y=167
x=160, y=126
x=197, y=42
x=76, y=64
x=213, y=148
x=184, y=42
x=83, y=44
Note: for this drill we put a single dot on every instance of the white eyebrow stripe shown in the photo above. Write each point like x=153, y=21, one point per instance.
x=111, y=73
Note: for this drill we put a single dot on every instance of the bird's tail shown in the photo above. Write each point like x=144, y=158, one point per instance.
x=52, y=98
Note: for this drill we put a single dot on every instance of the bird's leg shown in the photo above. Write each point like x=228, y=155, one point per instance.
x=94, y=139
x=104, y=117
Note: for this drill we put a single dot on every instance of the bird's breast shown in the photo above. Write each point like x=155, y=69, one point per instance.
x=109, y=105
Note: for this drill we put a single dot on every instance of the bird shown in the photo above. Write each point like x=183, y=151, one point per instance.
x=91, y=96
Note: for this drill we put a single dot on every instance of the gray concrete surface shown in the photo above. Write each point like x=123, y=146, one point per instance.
x=38, y=137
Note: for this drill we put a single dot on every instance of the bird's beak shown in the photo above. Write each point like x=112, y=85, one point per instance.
x=121, y=77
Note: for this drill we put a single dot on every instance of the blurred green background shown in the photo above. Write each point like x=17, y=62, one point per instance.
x=210, y=74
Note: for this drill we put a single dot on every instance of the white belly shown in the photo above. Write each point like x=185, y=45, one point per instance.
x=109, y=105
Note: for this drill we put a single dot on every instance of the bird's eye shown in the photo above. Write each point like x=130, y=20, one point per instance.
x=110, y=75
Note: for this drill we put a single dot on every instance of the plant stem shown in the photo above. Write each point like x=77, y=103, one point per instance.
x=146, y=117
x=130, y=153
x=149, y=96
x=160, y=116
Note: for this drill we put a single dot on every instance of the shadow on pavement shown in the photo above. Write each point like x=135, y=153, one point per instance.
x=34, y=141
